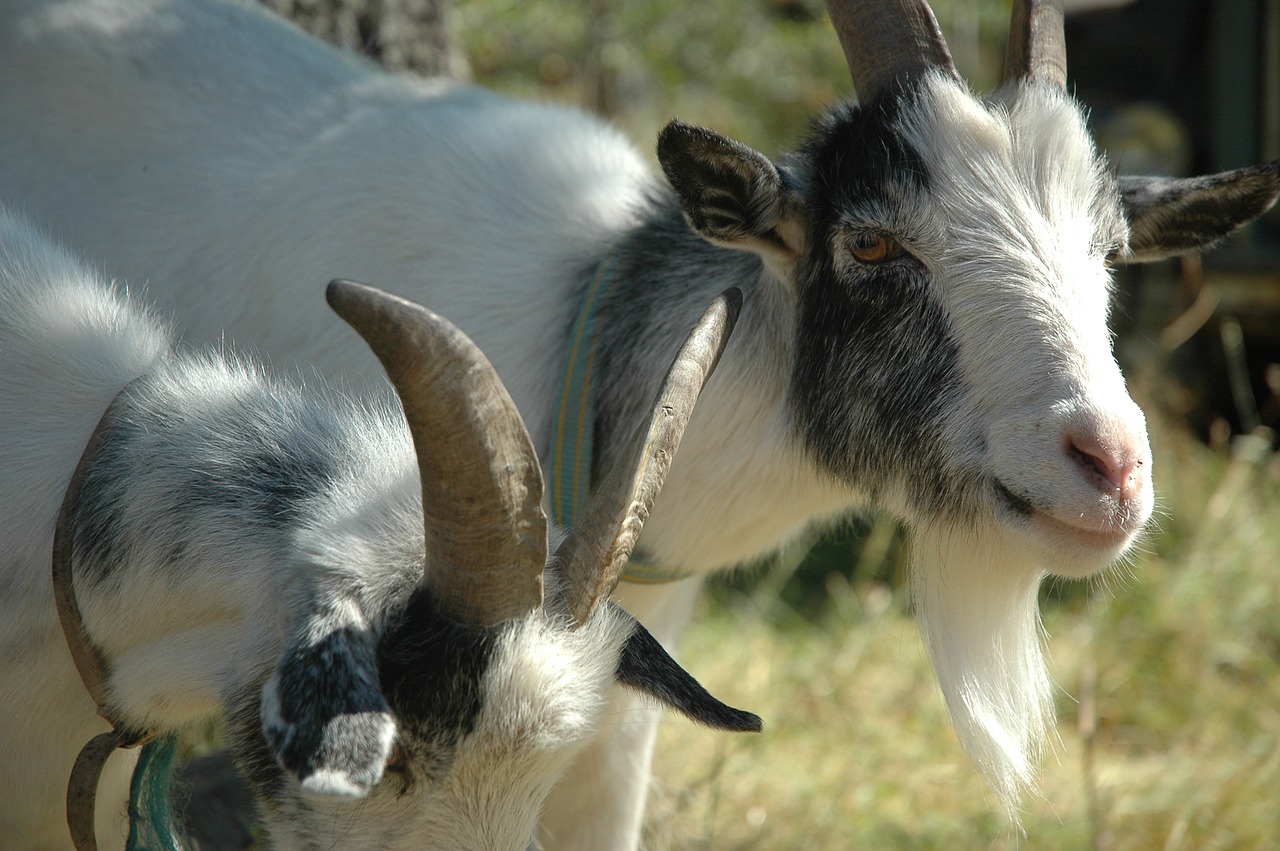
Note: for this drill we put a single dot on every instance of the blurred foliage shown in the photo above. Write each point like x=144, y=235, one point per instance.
x=758, y=71
x=403, y=35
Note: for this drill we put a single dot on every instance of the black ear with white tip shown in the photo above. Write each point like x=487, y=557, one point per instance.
x=324, y=716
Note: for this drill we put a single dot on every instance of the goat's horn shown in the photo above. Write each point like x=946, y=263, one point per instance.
x=888, y=41
x=486, y=534
x=1037, y=48
x=594, y=555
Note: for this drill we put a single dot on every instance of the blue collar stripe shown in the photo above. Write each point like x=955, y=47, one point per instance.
x=574, y=427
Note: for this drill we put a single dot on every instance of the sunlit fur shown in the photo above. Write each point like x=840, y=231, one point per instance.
x=230, y=524
x=1035, y=261
x=544, y=698
x=236, y=165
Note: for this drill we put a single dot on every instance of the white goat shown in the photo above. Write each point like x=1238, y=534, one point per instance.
x=926, y=294
x=241, y=546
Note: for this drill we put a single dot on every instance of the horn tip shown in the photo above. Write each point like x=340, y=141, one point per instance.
x=340, y=289
x=732, y=299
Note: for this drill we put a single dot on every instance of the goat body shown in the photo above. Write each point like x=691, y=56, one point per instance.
x=926, y=285
x=244, y=547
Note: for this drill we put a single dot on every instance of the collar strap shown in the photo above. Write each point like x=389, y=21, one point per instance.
x=83, y=783
x=573, y=429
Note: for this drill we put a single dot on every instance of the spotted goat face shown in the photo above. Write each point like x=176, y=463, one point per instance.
x=439, y=713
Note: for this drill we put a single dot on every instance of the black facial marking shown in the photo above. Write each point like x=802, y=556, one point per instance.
x=332, y=713
x=1019, y=505
x=431, y=668
x=875, y=360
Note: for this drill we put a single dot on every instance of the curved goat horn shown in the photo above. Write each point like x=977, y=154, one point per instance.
x=888, y=41
x=594, y=555
x=1037, y=48
x=486, y=534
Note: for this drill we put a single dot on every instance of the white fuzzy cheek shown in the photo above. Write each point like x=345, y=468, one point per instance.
x=548, y=687
x=332, y=784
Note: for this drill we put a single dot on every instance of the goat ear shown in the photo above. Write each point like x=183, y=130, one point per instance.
x=646, y=666
x=732, y=195
x=324, y=716
x=1171, y=216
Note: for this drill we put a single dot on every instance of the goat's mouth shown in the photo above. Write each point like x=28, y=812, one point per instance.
x=1105, y=532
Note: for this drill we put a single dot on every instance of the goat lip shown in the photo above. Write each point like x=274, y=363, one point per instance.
x=1074, y=532
x=1097, y=536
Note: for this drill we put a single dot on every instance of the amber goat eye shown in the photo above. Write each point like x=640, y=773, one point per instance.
x=874, y=247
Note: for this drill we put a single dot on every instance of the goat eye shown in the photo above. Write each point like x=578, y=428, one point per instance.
x=874, y=247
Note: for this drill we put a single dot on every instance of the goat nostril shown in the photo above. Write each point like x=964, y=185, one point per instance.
x=1109, y=471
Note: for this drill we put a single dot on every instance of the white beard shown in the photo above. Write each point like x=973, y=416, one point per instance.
x=976, y=601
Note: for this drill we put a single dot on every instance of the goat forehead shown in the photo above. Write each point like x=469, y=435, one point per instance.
x=1018, y=172
x=1026, y=213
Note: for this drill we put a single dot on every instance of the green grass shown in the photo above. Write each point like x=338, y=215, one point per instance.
x=1169, y=705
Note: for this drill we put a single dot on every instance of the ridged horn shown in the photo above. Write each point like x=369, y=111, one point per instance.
x=888, y=41
x=595, y=553
x=486, y=534
x=1037, y=48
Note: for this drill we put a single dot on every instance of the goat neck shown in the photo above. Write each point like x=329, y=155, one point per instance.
x=594, y=556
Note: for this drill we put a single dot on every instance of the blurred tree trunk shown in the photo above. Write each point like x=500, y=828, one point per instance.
x=404, y=35
x=601, y=71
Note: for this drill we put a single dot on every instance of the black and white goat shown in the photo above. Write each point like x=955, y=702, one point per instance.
x=239, y=545
x=926, y=288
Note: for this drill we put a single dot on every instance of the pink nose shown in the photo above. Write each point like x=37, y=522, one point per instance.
x=1113, y=466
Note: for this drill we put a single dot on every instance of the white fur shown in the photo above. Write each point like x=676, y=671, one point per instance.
x=547, y=697
x=188, y=637
x=222, y=150
x=1037, y=263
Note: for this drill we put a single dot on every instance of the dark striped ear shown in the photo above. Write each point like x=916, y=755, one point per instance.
x=730, y=194
x=1171, y=216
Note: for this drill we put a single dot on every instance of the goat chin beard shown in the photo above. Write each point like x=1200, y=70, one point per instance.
x=975, y=599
